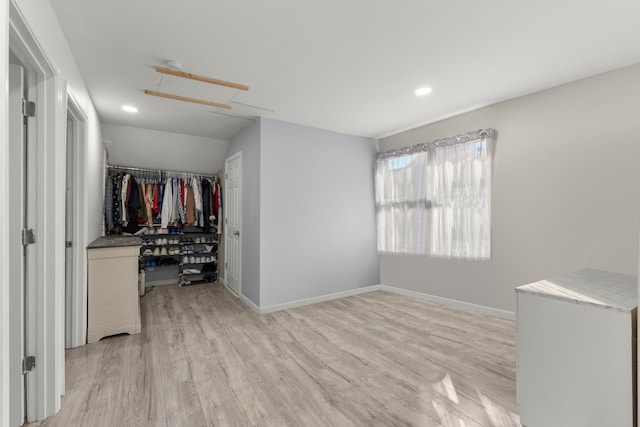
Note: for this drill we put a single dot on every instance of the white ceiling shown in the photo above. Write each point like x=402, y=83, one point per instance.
x=344, y=65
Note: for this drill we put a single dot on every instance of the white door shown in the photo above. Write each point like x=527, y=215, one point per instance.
x=17, y=154
x=233, y=222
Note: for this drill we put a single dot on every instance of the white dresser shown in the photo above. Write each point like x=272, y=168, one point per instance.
x=576, y=350
x=114, y=305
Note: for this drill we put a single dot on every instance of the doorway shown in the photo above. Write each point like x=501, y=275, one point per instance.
x=233, y=222
x=22, y=238
x=75, y=255
x=36, y=183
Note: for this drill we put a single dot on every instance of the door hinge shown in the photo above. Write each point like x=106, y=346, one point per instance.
x=28, y=364
x=28, y=236
x=28, y=108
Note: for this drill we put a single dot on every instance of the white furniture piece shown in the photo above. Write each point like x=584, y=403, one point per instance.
x=576, y=343
x=114, y=305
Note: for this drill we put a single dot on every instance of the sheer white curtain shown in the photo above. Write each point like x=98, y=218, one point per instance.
x=435, y=199
x=460, y=191
x=402, y=204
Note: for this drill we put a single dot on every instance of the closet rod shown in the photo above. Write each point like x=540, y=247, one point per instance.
x=166, y=172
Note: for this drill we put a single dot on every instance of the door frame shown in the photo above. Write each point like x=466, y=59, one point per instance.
x=45, y=305
x=17, y=255
x=4, y=220
x=78, y=292
x=229, y=159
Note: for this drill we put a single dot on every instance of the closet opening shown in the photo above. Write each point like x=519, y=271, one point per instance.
x=176, y=216
x=75, y=255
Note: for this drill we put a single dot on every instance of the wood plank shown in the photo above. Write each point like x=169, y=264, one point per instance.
x=186, y=99
x=169, y=71
x=204, y=358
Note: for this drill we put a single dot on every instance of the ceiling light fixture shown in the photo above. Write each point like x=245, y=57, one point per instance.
x=129, y=108
x=423, y=91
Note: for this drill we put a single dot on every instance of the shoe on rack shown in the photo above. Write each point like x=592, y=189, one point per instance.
x=163, y=251
x=156, y=251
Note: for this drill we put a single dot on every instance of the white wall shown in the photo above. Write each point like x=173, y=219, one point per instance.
x=566, y=190
x=308, y=222
x=248, y=142
x=154, y=149
x=44, y=29
x=317, y=213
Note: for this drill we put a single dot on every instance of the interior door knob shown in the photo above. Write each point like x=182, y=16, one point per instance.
x=236, y=233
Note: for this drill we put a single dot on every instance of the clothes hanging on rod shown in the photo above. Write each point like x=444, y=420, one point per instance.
x=136, y=198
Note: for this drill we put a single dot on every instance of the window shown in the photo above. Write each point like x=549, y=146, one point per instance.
x=435, y=199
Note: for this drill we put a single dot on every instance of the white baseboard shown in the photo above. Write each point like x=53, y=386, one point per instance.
x=244, y=299
x=451, y=302
x=419, y=295
x=248, y=302
x=314, y=300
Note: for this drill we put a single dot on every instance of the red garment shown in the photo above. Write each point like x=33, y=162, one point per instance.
x=156, y=208
x=216, y=199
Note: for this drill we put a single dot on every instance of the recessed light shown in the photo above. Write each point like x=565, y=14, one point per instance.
x=129, y=108
x=423, y=91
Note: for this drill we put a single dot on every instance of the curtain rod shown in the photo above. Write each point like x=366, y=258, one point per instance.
x=458, y=139
x=132, y=170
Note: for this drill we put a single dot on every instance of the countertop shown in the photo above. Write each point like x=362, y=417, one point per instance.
x=115, y=242
x=604, y=289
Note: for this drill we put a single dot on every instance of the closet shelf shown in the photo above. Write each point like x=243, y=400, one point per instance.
x=198, y=263
x=159, y=256
x=161, y=267
x=212, y=242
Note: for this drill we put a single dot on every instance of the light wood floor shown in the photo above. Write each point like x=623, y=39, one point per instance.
x=376, y=359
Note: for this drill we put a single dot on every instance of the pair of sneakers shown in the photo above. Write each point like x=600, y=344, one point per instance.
x=160, y=252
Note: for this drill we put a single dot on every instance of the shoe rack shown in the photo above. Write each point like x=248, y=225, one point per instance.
x=171, y=256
